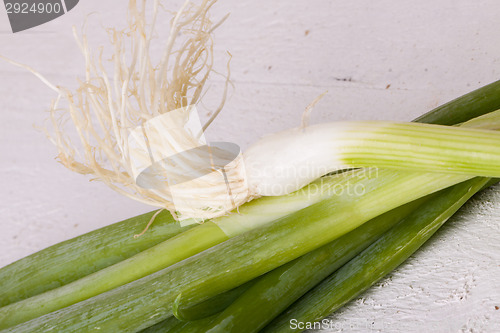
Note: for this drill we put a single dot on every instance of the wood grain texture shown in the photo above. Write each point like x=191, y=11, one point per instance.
x=377, y=59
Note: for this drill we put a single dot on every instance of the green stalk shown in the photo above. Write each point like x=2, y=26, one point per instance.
x=471, y=105
x=175, y=249
x=187, y=327
x=63, y=263
x=200, y=314
x=273, y=165
x=173, y=325
x=275, y=291
x=413, y=146
x=376, y=261
x=486, y=121
x=169, y=325
x=149, y=300
x=211, y=306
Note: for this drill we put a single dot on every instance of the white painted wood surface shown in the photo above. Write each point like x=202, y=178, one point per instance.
x=378, y=60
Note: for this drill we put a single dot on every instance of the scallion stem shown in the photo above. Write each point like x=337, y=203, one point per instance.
x=147, y=301
x=211, y=306
x=471, y=105
x=274, y=167
x=182, y=246
x=63, y=263
x=376, y=261
x=275, y=291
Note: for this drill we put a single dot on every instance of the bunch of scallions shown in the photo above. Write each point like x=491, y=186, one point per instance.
x=293, y=248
